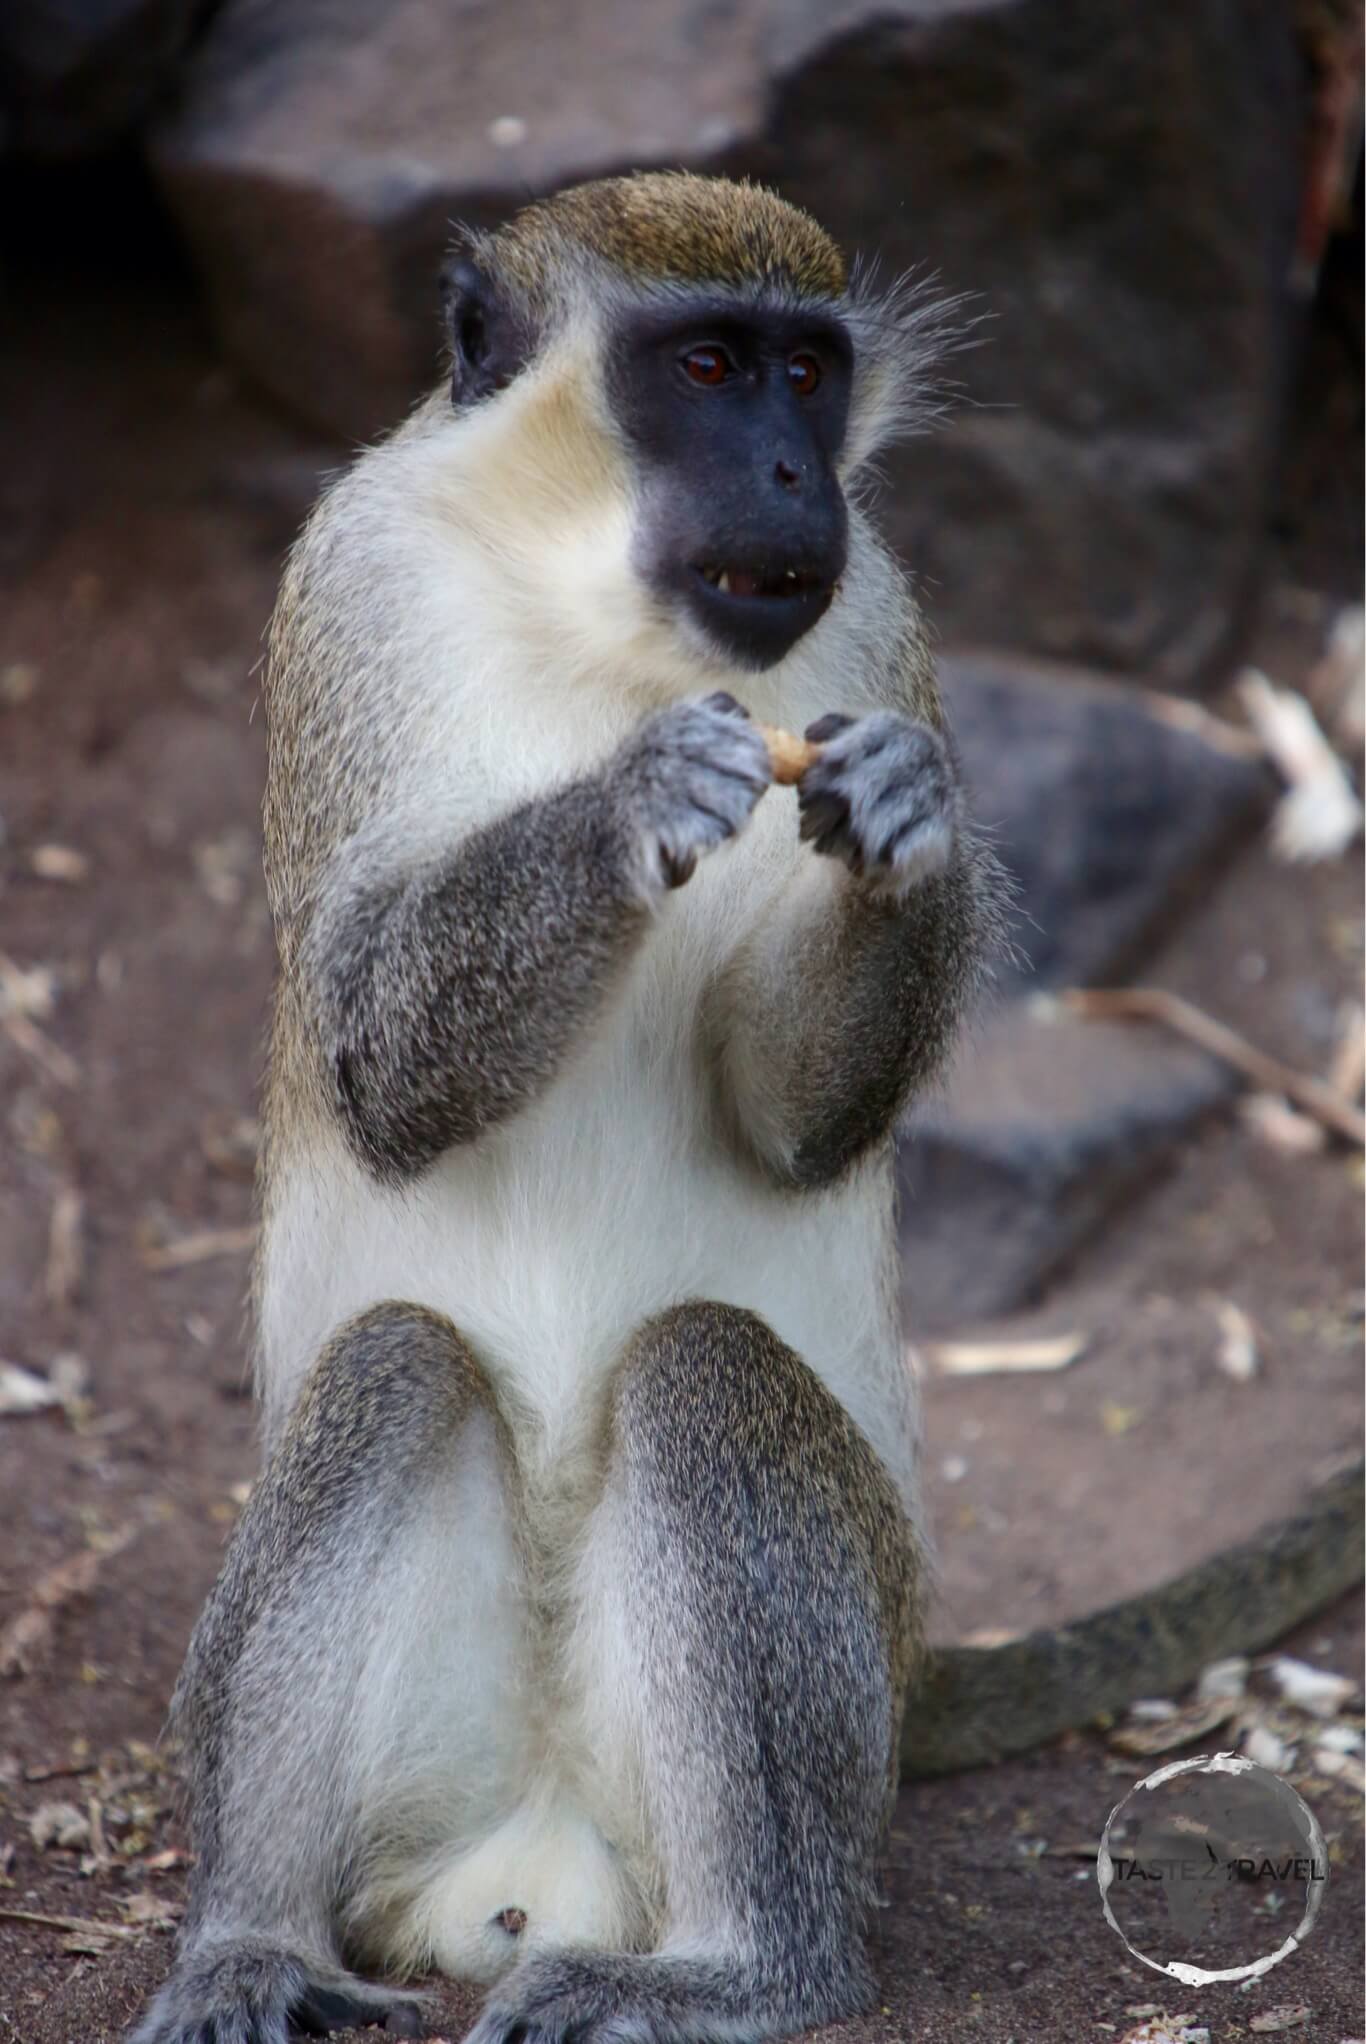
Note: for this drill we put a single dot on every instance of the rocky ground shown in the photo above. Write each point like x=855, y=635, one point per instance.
x=146, y=503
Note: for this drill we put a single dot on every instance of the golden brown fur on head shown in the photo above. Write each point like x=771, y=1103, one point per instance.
x=671, y=225
x=621, y=239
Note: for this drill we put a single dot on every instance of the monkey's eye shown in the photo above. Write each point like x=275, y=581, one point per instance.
x=708, y=366
x=803, y=373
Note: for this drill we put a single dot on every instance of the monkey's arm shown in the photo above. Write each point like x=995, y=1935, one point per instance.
x=447, y=998
x=849, y=999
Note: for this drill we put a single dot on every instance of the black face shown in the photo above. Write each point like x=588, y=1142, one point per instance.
x=737, y=416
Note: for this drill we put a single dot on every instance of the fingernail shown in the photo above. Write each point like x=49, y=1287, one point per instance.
x=828, y=726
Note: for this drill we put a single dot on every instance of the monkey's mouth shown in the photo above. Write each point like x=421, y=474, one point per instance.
x=771, y=585
x=755, y=614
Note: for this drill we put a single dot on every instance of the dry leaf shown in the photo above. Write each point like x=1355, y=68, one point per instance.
x=1119, y=1419
x=69, y=1376
x=59, y=862
x=1287, y=2017
x=1282, y=1127
x=59, y=1824
x=1344, y=1767
x=986, y=1358
x=29, y=992
x=21, y=1392
x=150, y=1911
x=1310, y=1689
x=1340, y=1738
x=230, y=1143
x=1224, y=1678
x=28, y=1635
x=1163, y=2029
x=1320, y=815
x=1186, y=1725
x=1268, y=1749
x=1236, y=1355
x=17, y=683
x=222, y=865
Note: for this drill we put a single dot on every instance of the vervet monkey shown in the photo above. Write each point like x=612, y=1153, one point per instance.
x=562, y=1645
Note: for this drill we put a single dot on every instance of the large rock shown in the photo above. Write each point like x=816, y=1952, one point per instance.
x=1107, y=817
x=1046, y=1127
x=1116, y=185
x=76, y=74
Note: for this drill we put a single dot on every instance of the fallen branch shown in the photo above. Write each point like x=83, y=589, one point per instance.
x=199, y=1248
x=26, y=997
x=989, y=1358
x=1153, y=1004
x=29, y=1038
x=1347, y=1072
x=85, y=1926
x=65, y=1249
x=1235, y=741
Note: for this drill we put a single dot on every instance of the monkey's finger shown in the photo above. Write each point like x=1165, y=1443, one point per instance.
x=827, y=727
x=722, y=699
x=678, y=867
x=839, y=844
x=826, y=814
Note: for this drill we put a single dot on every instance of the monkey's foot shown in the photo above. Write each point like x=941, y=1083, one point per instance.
x=254, y=1993
x=609, y=1998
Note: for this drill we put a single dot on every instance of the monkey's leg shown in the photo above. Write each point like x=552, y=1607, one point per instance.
x=329, y=1691
x=747, y=1626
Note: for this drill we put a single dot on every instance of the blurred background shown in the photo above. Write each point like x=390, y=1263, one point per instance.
x=1132, y=1262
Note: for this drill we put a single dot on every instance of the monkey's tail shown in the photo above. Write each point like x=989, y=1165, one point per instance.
x=978, y=1704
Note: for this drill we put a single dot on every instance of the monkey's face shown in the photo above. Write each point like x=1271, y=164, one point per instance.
x=736, y=417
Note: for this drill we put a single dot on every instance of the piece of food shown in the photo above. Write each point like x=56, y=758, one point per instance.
x=790, y=755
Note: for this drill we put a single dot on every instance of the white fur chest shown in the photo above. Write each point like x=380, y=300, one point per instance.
x=608, y=1199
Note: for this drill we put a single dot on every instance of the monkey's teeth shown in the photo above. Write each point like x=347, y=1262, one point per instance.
x=723, y=582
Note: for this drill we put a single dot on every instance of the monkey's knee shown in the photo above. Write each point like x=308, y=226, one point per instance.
x=394, y=1405
x=706, y=1375
x=730, y=1438
x=396, y=1382
x=713, y=1382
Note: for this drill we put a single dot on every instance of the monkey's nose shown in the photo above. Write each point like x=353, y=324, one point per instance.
x=789, y=477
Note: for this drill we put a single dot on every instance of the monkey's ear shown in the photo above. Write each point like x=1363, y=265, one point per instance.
x=488, y=346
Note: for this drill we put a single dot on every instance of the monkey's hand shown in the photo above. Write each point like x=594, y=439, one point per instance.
x=882, y=797
x=690, y=777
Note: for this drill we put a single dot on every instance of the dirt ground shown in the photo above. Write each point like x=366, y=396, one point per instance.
x=145, y=502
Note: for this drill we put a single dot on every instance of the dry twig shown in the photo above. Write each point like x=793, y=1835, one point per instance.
x=1347, y=1072
x=199, y=1248
x=986, y=1358
x=1154, y=1004
x=65, y=1249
